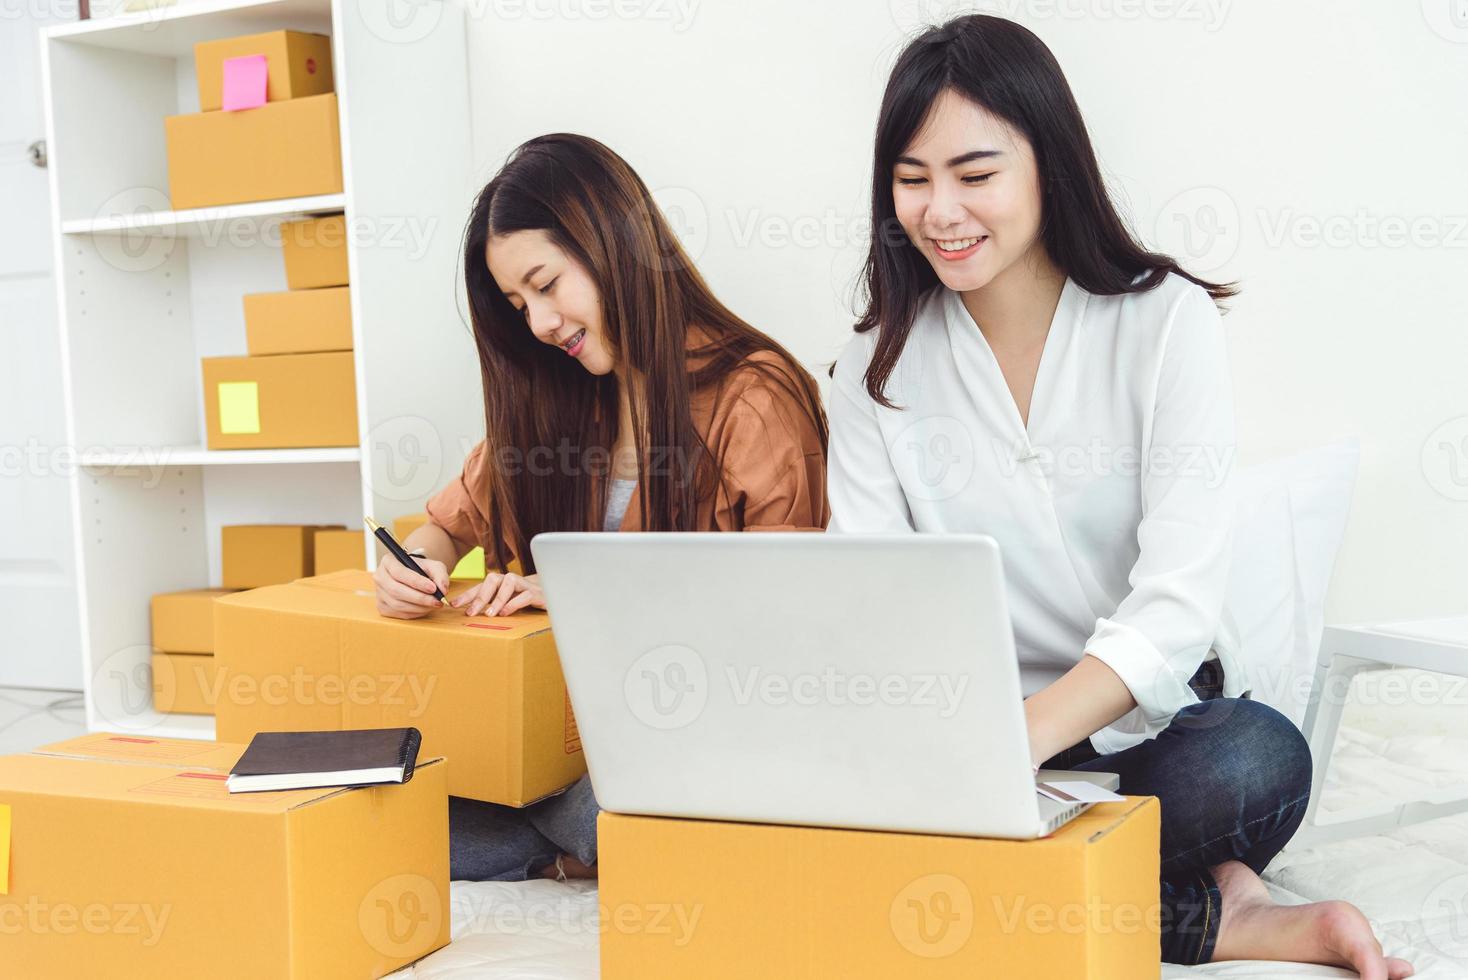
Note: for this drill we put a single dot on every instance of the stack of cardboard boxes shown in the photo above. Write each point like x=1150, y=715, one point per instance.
x=268, y=130
x=185, y=671
x=297, y=386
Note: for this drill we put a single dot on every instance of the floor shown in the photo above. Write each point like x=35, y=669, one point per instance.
x=29, y=719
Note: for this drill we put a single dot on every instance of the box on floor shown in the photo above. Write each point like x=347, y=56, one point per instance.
x=184, y=683
x=316, y=655
x=338, y=550
x=183, y=622
x=130, y=859
x=725, y=901
x=255, y=555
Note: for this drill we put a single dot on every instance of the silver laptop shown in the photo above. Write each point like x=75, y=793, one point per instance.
x=826, y=680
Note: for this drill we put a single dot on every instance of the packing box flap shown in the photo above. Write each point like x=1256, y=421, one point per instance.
x=350, y=594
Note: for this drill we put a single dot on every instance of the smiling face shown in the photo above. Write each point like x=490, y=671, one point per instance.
x=554, y=293
x=966, y=190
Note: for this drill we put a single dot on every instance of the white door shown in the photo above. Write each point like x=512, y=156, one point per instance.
x=40, y=645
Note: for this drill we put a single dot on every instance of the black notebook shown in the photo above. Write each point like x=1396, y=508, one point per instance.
x=310, y=760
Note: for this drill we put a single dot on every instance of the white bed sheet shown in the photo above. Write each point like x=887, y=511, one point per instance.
x=1411, y=882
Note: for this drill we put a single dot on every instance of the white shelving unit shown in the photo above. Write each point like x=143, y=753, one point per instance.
x=144, y=292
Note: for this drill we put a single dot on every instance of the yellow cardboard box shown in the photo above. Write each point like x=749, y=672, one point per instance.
x=281, y=149
x=281, y=402
x=129, y=859
x=694, y=898
x=339, y=550
x=298, y=321
x=296, y=65
x=315, y=252
x=253, y=555
x=184, y=683
x=316, y=655
x=183, y=622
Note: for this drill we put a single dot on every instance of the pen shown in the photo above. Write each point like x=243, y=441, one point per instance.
x=385, y=536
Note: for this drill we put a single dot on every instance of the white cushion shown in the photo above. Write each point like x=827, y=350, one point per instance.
x=1289, y=520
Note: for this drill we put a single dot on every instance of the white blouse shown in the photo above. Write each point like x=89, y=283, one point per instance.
x=1112, y=507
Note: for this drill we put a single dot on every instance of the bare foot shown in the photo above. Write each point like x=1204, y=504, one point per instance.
x=1253, y=927
x=572, y=868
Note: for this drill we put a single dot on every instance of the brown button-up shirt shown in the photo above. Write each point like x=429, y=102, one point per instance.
x=774, y=465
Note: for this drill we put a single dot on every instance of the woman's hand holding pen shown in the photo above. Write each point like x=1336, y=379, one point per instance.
x=500, y=595
x=404, y=594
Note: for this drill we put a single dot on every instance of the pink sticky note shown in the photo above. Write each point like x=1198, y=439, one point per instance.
x=244, y=82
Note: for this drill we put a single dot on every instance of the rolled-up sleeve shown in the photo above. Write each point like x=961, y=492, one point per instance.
x=459, y=507
x=866, y=496
x=774, y=463
x=1163, y=629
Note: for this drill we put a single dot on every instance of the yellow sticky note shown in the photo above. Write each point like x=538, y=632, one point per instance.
x=239, y=407
x=470, y=566
x=4, y=848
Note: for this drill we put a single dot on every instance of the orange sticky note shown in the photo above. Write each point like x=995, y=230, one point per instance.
x=4, y=848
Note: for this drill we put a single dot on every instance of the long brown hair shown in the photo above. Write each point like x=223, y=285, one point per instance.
x=1005, y=68
x=595, y=208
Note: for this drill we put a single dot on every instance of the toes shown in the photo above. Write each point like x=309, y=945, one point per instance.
x=1397, y=969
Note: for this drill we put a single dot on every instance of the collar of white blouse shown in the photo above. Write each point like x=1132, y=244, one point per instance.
x=980, y=371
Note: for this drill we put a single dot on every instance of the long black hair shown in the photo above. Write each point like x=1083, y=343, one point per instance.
x=1007, y=70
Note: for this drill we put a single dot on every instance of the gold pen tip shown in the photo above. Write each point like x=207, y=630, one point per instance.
x=373, y=525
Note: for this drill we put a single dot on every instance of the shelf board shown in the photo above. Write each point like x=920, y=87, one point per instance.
x=146, y=456
x=201, y=221
x=160, y=726
x=172, y=31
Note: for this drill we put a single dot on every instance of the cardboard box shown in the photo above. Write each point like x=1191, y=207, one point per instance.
x=298, y=321
x=297, y=65
x=486, y=693
x=281, y=149
x=285, y=401
x=694, y=898
x=315, y=252
x=340, y=550
x=184, y=683
x=253, y=555
x=129, y=859
x=183, y=622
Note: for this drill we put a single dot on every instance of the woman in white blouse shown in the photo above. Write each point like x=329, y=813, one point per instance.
x=1026, y=370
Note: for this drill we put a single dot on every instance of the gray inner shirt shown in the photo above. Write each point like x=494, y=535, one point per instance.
x=617, y=500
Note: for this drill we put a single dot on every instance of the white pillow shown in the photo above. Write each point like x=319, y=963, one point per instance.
x=1289, y=519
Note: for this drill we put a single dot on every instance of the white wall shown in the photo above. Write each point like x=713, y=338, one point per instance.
x=1255, y=121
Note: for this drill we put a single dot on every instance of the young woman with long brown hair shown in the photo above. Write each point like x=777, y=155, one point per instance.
x=619, y=394
x=1027, y=370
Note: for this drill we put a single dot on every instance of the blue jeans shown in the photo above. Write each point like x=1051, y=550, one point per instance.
x=490, y=842
x=1233, y=778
